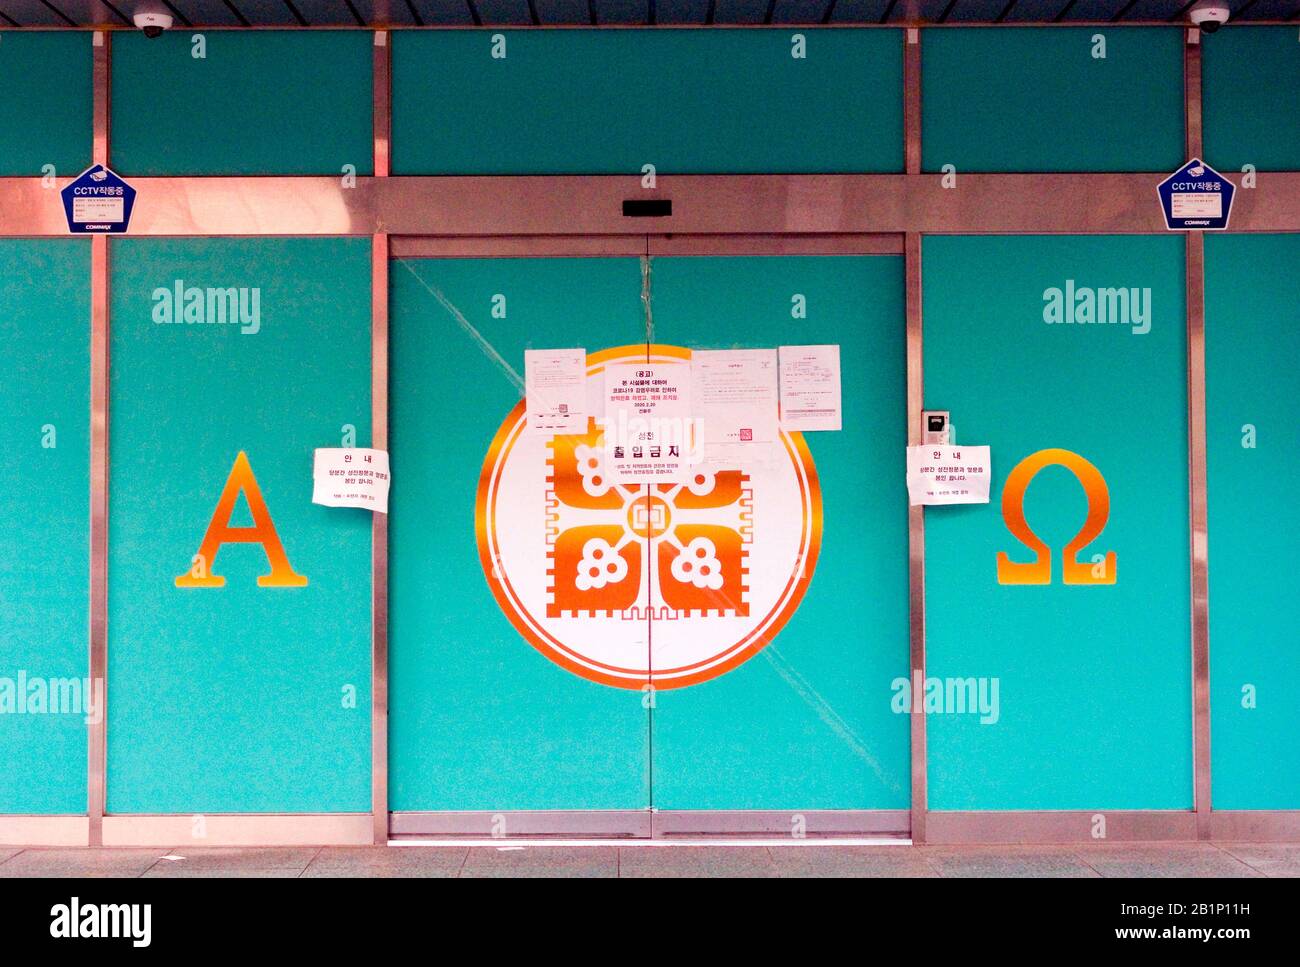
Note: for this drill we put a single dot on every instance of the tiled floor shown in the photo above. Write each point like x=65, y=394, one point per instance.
x=1144, y=860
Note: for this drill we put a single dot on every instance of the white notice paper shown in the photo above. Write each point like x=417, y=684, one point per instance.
x=940, y=474
x=734, y=394
x=352, y=477
x=1196, y=204
x=98, y=209
x=810, y=387
x=555, y=390
x=647, y=421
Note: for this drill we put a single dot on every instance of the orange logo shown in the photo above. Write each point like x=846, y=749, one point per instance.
x=665, y=583
x=1039, y=570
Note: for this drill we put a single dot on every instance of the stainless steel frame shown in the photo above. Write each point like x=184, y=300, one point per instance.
x=916, y=538
x=1198, y=514
x=652, y=824
x=646, y=823
x=504, y=824
x=572, y=205
x=1066, y=826
x=379, y=256
x=907, y=18
x=97, y=732
x=580, y=215
x=379, y=544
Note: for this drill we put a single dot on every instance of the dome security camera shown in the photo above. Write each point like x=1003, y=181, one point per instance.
x=1209, y=15
x=153, y=21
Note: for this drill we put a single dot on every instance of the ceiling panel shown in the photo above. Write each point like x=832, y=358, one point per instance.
x=329, y=13
x=384, y=11
x=622, y=11
x=1155, y=9
x=443, y=13
x=859, y=11
x=269, y=12
x=1102, y=10
x=681, y=11
x=740, y=11
x=799, y=11
x=204, y=13
x=1038, y=11
x=1273, y=9
x=340, y=13
x=31, y=13
x=563, y=11
x=976, y=11
x=928, y=10
x=90, y=12
x=504, y=12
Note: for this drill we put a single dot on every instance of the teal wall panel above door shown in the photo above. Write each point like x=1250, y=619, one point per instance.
x=45, y=102
x=1094, y=681
x=612, y=101
x=258, y=102
x=1252, y=344
x=1038, y=99
x=45, y=696
x=1250, y=89
x=240, y=698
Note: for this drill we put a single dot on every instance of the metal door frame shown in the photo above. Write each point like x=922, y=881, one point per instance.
x=649, y=823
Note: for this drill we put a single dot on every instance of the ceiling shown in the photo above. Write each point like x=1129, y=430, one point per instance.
x=334, y=13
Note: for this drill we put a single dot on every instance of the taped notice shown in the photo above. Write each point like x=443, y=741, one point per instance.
x=351, y=477
x=810, y=387
x=555, y=390
x=938, y=474
x=734, y=394
x=648, y=425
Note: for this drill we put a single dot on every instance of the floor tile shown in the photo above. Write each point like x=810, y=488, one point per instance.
x=80, y=862
x=1162, y=860
x=236, y=860
x=850, y=861
x=1271, y=859
x=695, y=861
x=677, y=860
x=386, y=861
x=560, y=861
x=1007, y=861
x=173, y=871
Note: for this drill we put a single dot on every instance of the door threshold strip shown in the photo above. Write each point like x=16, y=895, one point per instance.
x=522, y=842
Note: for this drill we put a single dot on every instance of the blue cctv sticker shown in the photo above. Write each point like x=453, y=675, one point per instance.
x=98, y=202
x=1196, y=197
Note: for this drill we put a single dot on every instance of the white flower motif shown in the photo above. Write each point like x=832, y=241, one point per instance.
x=698, y=564
x=700, y=482
x=591, y=465
x=600, y=565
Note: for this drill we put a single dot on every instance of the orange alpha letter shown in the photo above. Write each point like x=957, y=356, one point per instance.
x=220, y=532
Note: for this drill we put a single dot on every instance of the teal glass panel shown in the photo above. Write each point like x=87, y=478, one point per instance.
x=240, y=698
x=1037, y=99
x=45, y=113
x=1252, y=344
x=808, y=722
x=1093, y=706
x=612, y=101
x=45, y=696
x=480, y=719
x=258, y=102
